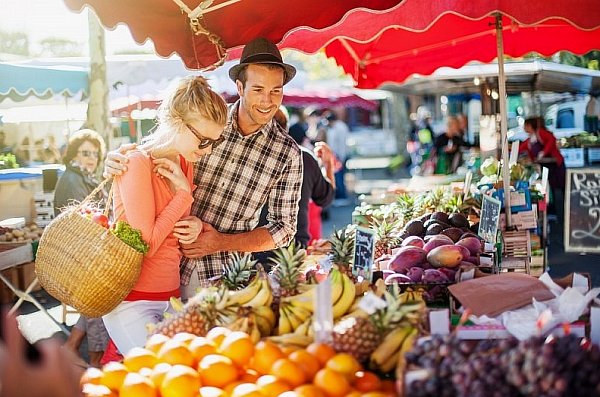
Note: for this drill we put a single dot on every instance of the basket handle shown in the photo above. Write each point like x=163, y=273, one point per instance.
x=93, y=194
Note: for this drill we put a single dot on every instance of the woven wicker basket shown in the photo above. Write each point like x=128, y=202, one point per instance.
x=83, y=265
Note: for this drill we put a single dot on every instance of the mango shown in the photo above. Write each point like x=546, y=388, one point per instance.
x=445, y=256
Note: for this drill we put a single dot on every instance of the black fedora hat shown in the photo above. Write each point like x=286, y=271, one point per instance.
x=263, y=51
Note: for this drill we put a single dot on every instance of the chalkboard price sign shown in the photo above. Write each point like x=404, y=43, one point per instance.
x=490, y=215
x=582, y=210
x=364, y=251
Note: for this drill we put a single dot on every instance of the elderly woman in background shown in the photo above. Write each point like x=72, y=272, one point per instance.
x=84, y=151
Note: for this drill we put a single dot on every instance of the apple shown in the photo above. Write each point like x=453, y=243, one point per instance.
x=100, y=219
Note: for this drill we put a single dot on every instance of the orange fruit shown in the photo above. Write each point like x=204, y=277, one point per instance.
x=265, y=354
x=287, y=350
x=345, y=364
x=217, y=334
x=354, y=393
x=201, y=346
x=249, y=375
x=238, y=347
x=184, y=337
x=158, y=373
x=91, y=390
x=309, y=391
x=290, y=393
x=136, y=385
x=288, y=371
x=217, y=370
x=365, y=381
x=175, y=352
x=113, y=374
x=138, y=358
x=378, y=394
x=246, y=390
x=180, y=381
x=229, y=388
x=332, y=383
x=209, y=391
x=321, y=351
x=155, y=341
x=309, y=364
x=270, y=386
x=92, y=376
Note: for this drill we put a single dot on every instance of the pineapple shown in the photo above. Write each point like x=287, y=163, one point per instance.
x=342, y=249
x=457, y=203
x=435, y=200
x=357, y=336
x=408, y=208
x=387, y=236
x=238, y=273
x=201, y=313
x=286, y=273
x=360, y=336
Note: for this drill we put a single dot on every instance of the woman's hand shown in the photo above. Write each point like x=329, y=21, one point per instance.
x=172, y=171
x=116, y=161
x=187, y=229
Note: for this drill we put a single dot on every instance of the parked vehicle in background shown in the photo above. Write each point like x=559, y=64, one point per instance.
x=563, y=119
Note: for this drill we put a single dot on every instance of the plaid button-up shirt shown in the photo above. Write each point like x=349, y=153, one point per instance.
x=236, y=180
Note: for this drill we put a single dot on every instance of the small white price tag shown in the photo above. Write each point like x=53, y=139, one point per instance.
x=323, y=321
x=468, y=275
x=370, y=303
x=514, y=153
x=544, y=180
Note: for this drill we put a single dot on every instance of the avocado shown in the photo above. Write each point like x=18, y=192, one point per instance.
x=458, y=220
x=415, y=227
x=440, y=216
x=453, y=232
x=434, y=228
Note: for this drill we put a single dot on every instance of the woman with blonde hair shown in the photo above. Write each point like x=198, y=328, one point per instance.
x=155, y=196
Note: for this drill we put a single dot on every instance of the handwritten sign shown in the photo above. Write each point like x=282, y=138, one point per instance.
x=582, y=210
x=490, y=215
x=364, y=251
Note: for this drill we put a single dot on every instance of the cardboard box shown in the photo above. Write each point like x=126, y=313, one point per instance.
x=473, y=332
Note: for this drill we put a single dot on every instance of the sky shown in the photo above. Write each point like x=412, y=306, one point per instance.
x=51, y=18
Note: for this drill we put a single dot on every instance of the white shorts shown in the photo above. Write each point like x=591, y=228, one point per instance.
x=126, y=324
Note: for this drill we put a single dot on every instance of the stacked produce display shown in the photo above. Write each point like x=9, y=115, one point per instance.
x=256, y=333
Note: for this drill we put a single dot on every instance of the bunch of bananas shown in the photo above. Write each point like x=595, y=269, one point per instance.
x=410, y=295
x=295, y=312
x=256, y=294
x=390, y=353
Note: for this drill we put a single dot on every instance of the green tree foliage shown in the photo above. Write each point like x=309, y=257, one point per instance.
x=59, y=47
x=15, y=43
x=318, y=66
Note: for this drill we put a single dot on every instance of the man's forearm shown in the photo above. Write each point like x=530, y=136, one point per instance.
x=256, y=240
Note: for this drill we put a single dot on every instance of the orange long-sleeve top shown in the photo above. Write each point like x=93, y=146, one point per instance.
x=147, y=203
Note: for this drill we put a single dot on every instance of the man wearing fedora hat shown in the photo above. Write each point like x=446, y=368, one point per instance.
x=256, y=163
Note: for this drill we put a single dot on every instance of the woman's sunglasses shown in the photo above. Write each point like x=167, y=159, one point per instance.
x=89, y=153
x=204, y=142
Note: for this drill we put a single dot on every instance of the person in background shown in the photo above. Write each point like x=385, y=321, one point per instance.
x=155, y=196
x=448, y=148
x=85, y=148
x=337, y=134
x=318, y=184
x=257, y=163
x=54, y=374
x=541, y=147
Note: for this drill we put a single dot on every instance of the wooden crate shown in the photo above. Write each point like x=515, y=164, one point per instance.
x=516, y=253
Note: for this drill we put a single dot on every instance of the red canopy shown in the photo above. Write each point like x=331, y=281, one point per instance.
x=375, y=47
x=228, y=23
x=396, y=53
